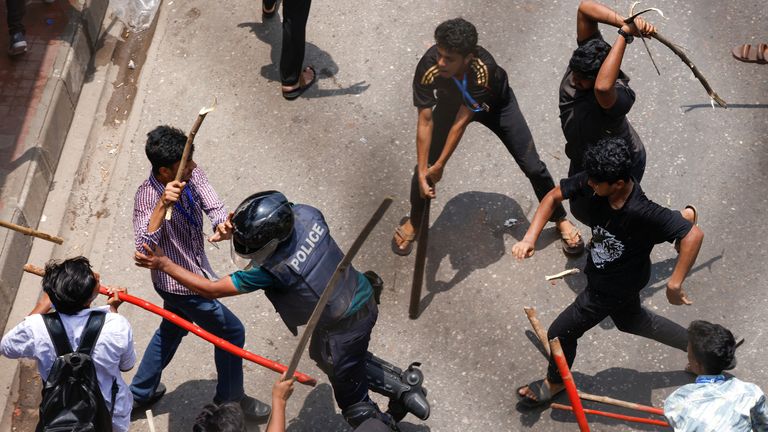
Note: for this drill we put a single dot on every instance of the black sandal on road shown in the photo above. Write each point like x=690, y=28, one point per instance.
x=266, y=11
x=298, y=91
x=572, y=242
x=540, y=390
x=407, y=239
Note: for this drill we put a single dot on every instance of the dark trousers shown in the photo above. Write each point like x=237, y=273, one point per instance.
x=592, y=306
x=341, y=354
x=509, y=125
x=16, y=9
x=579, y=203
x=213, y=317
x=295, y=15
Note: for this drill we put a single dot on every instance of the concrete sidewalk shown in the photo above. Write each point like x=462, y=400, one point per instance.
x=39, y=91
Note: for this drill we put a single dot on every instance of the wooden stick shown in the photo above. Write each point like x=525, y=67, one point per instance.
x=150, y=420
x=570, y=384
x=613, y=415
x=188, y=147
x=537, y=328
x=563, y=273
x=32, y=232
x=421, y=258
x=621, y=403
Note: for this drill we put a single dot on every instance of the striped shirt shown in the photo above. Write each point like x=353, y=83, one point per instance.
x=714, y=405
x=182, y=237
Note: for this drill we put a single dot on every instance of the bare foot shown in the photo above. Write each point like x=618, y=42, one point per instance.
x=307, y=75
x=688, y=214
x=554, y=389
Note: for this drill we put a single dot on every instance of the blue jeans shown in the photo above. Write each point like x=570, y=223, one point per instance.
x=211, y=316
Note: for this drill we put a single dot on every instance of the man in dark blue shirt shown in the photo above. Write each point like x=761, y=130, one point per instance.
x=292, y=258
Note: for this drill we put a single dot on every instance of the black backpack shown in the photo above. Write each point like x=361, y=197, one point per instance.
x=72, y=399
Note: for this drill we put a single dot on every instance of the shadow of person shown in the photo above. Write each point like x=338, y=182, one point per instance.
x=618, y=383
x=470, y=233
x=318, y=414
x=184, y=403
x=271, y=33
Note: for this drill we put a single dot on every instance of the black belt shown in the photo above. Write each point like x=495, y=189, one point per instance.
x=349, y=321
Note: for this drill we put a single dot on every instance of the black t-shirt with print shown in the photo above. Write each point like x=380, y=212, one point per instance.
x=620, y=250
x=487, y=82
x=584, y=121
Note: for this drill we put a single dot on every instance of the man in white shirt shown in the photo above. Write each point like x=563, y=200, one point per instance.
x=71, y=286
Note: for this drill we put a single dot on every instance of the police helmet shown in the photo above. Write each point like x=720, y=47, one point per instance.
x=263, y=219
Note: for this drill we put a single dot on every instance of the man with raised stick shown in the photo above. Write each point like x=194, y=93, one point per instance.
x=290, y=254
x=625, y=227
x=188, y=192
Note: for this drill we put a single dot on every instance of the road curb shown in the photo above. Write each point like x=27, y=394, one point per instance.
x=48, y=130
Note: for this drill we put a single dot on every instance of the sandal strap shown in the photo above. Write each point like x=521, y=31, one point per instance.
x=761, y=52
x=406, y=237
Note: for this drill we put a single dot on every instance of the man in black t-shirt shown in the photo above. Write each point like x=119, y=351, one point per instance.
x=458, y=82
x=625, y=227
x=595, y=96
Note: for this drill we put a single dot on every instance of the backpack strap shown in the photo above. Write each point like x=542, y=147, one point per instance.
x=57, y=333
x=91, y=332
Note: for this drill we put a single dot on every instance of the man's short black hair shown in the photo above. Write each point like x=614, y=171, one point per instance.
x=227, y=417
x=165, y=146
x=69, y=284
x=713, y=346
x=587, y=59
x=608, y=160
x=457, y=35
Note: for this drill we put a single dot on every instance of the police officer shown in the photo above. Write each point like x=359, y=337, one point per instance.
x=291, y=255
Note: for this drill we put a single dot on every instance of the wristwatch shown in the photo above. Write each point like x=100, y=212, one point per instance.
x=627, y=37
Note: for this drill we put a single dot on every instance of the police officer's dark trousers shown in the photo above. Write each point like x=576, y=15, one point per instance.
x=509, y=125
x=625, y=309
x=340, y=351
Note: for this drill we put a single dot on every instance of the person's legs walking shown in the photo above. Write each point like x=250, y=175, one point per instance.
x=16, y=10
x=295, y=15
x=635, y=319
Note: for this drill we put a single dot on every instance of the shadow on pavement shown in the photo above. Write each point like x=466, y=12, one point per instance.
x=270, y=32
x=470, y=233
x=318, y=414
x=618, y=383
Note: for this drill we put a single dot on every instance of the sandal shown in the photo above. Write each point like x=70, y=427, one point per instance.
x=298, y=91
x=405, y=237
x=695, y=222
x=747, y=54
x=268, y=12
x=567, y=242
x=540, y=390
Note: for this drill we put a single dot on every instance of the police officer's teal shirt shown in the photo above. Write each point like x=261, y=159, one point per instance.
x=256, y=278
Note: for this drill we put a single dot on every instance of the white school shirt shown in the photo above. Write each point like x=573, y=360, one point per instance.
x=112, y=354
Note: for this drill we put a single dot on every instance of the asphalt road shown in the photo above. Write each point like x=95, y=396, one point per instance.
x=349, y=142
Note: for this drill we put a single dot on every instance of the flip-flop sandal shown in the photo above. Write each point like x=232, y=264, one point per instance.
x=405, y=237
x=298, y=91
x=265, y=12
x=540, y=390
x=749, y=54
x=566, y=240
x=695, y=222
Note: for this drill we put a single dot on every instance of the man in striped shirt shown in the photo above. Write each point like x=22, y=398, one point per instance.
x=715, y=402
x=182, y=238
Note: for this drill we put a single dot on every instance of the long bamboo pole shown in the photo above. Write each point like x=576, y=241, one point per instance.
x=570, y=385
x=186, y=325
x=613, y=415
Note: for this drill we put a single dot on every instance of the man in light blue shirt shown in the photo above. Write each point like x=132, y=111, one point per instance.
x=715, y=402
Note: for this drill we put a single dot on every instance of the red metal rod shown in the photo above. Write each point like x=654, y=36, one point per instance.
x=613, y=415
x=186, y=325
x=570, y=386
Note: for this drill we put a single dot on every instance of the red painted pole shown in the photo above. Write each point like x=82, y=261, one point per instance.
x=614, y=415
x=186, y=325
x=570, y=386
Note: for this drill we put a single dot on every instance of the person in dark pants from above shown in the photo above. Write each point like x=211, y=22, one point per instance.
x=625, y=227
x=595, y=96
x=182, y=238
x=15, y=15
x=458, y=82
x=715, y=402
x=295, y=80
x=292, y=256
